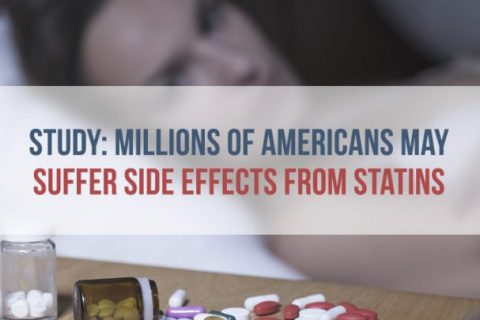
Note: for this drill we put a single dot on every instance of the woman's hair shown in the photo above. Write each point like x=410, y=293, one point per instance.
x=327, y=42
x=48, y=36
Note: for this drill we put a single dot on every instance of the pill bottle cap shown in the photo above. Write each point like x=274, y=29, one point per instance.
x=26, y=237
x=26, y=231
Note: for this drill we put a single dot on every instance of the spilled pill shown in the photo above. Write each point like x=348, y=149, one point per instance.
x=266, y=308
x=320, y=305
x=301, y=302
x=371, y=315
x=351, y=316
x=349, y=306
x=291, y=312
x=313, y=314
x=185, y=312
x=251, y=302
x=334, y=312
x=238, y=313
x=177, y=299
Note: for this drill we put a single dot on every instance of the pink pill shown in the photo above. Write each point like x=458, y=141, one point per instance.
x=351, y=316
x=371, y=315
x=349, y=306
x=320, y=305
x=266, y=308
x=290, y=312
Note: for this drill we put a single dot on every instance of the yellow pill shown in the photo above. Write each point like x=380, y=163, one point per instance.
x=92, y=310
x=105, y=302
x=129, y=302
x=132, y=315
x=127, y=313
x=92, y=318
x=106, y=311
x=120, y=311
x=111, y=318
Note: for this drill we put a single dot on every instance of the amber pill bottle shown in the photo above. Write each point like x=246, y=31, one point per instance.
x=116, y=299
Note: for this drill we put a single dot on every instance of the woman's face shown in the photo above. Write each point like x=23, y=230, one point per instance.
x=178, y=42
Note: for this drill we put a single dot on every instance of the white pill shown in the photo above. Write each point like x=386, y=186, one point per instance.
x=38, y=310
x=251, y=302
x=15, y=296
x=302, y=302
x=19, y=309
x=238, y=313
x=333, y=313
x=312, y=313
x=47, y=300
x=177, y=299
x=34, y=297
x=201, y=316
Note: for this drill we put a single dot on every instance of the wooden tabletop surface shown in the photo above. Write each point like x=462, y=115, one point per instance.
x=217, y=291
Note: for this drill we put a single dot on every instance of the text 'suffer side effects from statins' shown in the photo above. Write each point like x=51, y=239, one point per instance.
x=132, y=159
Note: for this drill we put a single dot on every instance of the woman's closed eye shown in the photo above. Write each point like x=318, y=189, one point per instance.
x=175, y=76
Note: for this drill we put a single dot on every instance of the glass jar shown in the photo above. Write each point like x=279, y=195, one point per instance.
x=120, y=298
x=28, y=278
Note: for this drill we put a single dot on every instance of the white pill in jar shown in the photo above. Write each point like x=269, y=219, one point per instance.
x=34, y=297
x=19, y=309
x=38, y=311
x=15, y=296
x=47, y=299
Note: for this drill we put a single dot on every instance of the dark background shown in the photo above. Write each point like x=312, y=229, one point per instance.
x=343, y=42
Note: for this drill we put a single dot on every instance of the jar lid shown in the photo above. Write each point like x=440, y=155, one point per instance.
x=26, y=231
x=26, y=237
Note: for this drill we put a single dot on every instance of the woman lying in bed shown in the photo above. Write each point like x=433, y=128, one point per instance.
x=209, y=42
